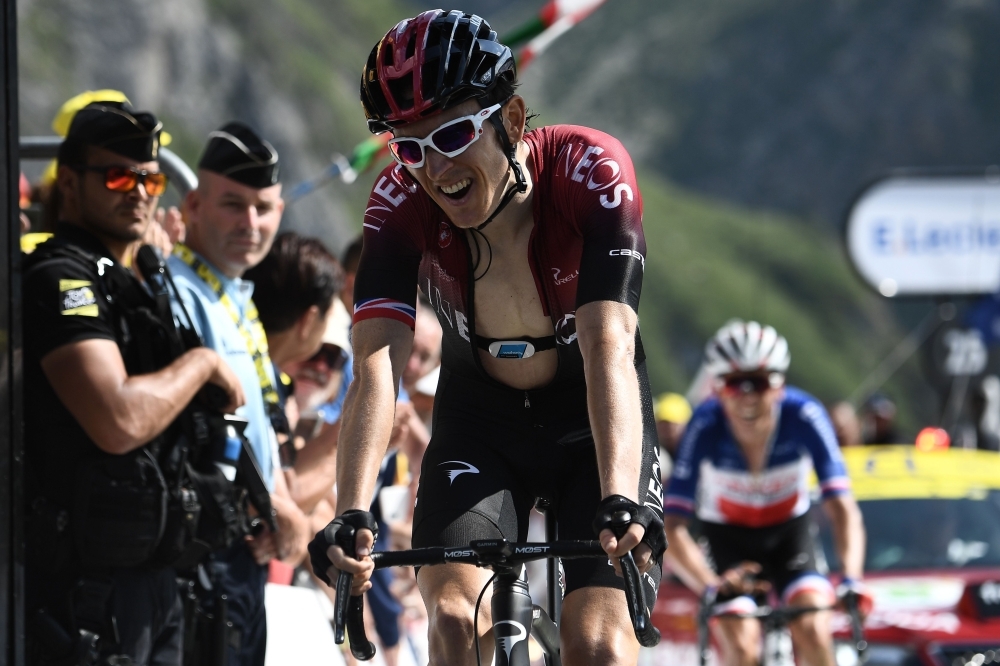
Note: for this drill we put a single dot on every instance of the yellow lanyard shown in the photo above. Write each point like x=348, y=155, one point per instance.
x=249, y=326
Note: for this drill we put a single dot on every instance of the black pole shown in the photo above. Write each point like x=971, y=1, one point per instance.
x=11, y=532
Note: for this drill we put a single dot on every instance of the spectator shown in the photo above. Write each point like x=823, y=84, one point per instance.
x=94, y=399
x=297, y=286
x=325, y=378
x=294, y=289
x=425, y=357
x=672, y=412
x=423, y=396
x=232, y=218
x=846, y=425
x=320, y=386
x=321, y=381
x=352, y=257
x=878, y=420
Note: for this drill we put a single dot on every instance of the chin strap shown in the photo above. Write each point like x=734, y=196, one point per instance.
x=520, y=184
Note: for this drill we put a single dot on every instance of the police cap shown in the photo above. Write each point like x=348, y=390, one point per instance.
x=237, y=152
x=114, y=126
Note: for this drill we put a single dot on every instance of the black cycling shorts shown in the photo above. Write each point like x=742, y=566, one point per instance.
x=786, y=552
x=494, y=450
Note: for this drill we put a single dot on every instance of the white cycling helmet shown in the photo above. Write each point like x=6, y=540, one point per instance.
x=746, y=347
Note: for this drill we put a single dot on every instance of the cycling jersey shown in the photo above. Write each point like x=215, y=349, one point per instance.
x=495, y=449
x=587, y=245
x=711, y=464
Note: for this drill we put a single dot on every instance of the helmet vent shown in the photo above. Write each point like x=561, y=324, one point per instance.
x=411, y=46
x=387, y=55
x=402, y=91
x=428, y=77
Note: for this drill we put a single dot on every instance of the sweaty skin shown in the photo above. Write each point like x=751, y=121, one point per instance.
x=506, y=304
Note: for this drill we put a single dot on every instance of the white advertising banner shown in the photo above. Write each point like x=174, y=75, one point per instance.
x=927, y=235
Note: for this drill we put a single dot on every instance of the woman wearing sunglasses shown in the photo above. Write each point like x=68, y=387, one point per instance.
x=529, y=247
x=748, y=455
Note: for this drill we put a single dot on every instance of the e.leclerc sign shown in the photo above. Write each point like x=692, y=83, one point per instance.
x=920, y=234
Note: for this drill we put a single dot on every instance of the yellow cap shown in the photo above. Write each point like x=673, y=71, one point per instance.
x=672, y=407
x=30, y=241
x=64, y=118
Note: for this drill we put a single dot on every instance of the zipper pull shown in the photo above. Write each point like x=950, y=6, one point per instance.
x=527, y=403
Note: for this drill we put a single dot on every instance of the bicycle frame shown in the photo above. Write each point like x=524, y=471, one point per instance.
x=514, y=616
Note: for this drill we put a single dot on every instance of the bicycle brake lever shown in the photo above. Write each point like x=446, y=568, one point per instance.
x=345, y=539
x=349, y=612
x=857, y=629
x=635, y=598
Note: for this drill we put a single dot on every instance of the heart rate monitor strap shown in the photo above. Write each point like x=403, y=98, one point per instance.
x=539, y=344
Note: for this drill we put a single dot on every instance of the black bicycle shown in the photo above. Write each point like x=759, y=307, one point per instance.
x=773, y=621
x=514, y=615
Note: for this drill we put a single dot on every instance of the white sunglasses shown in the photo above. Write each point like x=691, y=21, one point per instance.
x=450, y=139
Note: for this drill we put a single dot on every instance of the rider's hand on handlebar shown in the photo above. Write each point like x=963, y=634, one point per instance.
x=353, y=530
x=630, y=541
x=640, y=527
x=856, y=588
x=362, y=566
x=741, y=580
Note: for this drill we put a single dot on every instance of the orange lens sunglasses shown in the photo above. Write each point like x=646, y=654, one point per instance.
x=125, y=179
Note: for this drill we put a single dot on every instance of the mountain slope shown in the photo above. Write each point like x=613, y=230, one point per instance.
x=708, y=263
x=780, y=104
x=290, y=67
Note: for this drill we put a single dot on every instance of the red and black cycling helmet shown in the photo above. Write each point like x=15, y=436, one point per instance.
x=429, y=63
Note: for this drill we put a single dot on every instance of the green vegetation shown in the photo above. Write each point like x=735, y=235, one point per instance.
x=293, y=66
x=709, y=262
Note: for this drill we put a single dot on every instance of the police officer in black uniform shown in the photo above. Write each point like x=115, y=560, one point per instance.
x=99, y=588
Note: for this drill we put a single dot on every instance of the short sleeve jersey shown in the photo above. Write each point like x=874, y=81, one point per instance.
x=63, y=303
x=711, y=478
x=586, y=245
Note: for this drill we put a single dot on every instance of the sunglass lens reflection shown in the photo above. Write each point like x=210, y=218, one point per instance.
x=120, y=180
x=451, y=138
x=408, y=152
x=156, y=184
x=747, y=385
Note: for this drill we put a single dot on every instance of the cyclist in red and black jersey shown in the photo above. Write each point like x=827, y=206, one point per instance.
x=529, y=247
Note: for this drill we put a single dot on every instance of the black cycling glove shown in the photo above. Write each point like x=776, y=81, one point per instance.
x=617, y=512
x=340, y=532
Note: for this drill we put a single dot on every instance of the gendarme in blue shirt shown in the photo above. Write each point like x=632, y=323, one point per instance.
x=219, y=332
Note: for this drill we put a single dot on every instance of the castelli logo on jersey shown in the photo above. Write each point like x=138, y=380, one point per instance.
x=564, y=279
x=444, y=235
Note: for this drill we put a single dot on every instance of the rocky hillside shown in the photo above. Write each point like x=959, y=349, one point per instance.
x=289, y=68
x=682, y=82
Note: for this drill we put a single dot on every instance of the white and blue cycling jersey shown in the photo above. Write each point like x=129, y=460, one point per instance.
x=711, y=477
